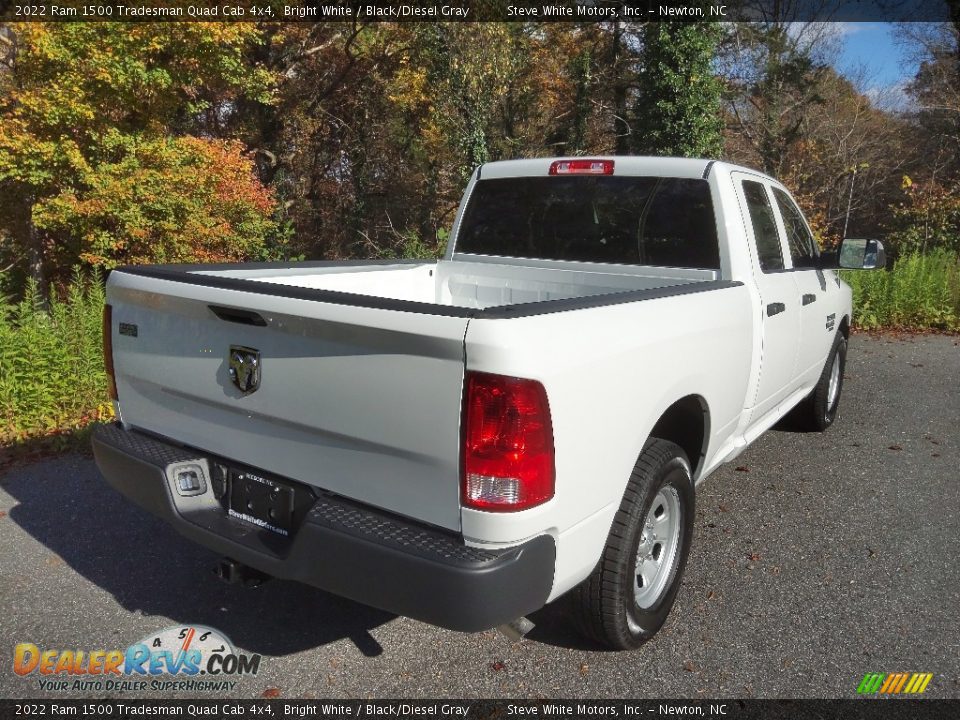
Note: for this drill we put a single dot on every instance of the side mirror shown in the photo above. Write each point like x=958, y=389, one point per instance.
x=861, y=254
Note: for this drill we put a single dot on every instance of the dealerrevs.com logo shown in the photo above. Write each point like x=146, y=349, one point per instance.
x=191, y=658
x=894, y=683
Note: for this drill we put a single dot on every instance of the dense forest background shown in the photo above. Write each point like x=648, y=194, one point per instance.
x=203, y=142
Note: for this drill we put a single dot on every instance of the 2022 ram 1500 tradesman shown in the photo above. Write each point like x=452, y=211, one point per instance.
x=462, y=441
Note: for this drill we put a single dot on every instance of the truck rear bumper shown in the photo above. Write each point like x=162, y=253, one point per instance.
x=349, y=549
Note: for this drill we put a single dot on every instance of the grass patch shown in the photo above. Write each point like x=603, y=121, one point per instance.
x=36, y=448
x=921, y=292
x=52, y=378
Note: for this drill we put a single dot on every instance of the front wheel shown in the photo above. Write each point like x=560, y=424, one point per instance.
x=628, y=596
x=819, y=410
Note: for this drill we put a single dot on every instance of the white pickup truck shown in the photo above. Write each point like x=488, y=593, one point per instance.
x=463, y=441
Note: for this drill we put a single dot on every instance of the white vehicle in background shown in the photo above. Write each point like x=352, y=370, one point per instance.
x=463, y=441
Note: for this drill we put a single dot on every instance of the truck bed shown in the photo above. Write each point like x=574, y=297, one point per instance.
x=347, y=350
x=459, y=283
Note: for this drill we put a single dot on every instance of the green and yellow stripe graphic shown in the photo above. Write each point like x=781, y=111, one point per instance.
x=894, y=683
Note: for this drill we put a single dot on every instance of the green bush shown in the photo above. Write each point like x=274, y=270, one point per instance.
x=51, y=361
x=920, y=292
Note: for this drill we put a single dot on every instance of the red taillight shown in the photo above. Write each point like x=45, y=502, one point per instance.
x=507, y=444
x=581, y=167
x=108, y=350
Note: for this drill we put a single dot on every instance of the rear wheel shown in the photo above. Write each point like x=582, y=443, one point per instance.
x=629, y=594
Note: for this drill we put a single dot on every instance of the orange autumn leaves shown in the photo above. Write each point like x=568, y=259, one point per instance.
x=107, y=149
x=164, y=199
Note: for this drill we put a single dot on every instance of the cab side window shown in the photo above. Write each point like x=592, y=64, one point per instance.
x=764, y=224
x=803, y=248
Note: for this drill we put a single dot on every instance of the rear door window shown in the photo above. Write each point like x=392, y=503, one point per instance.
x=769, y=250
x=803, y=248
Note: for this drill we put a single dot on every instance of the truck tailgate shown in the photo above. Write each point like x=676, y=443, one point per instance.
x=360, y=401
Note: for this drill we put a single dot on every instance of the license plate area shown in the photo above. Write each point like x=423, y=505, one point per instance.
x=265, y=502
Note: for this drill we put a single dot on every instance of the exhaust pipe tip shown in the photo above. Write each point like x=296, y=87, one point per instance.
x=517, y=629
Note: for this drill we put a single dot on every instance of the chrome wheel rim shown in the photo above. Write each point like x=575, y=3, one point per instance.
x=833, y=389
x=659, y=540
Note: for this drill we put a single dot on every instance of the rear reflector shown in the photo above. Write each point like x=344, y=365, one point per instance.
x=582, y=167
x=508, y=454
x=108, y=350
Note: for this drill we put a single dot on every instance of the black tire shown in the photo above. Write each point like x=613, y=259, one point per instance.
x=818, y=411
x=605, y=605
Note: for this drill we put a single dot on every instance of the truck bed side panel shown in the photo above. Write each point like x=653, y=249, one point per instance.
x=610, y=372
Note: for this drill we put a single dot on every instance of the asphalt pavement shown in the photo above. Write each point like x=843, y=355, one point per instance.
x=816, y=559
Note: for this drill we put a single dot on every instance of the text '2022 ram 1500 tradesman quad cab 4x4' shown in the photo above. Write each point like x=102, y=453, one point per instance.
x=463, y=441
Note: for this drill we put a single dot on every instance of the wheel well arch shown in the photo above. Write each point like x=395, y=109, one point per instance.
x=845, y=327
x=686, y=423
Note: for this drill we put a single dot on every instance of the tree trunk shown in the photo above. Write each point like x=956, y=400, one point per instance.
x=621, y=128
x=33, y=243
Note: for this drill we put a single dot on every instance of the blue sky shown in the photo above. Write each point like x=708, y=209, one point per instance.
x=874, y=46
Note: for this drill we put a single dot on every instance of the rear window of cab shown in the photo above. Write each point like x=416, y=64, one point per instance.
x=659, y=221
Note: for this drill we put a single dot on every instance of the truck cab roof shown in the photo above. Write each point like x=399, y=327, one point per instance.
x=623, y=165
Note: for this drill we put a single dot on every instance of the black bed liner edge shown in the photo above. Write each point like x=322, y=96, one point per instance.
x=185, y=274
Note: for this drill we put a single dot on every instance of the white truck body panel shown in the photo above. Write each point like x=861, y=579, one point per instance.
x=595, y=396
x=339, y=384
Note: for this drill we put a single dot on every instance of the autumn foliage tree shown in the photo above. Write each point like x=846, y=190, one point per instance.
x=678, y=98
x=145, y=142
x=927, y=215
x=160, y=199
x=105, y=153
